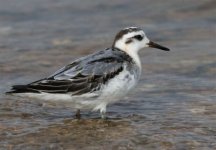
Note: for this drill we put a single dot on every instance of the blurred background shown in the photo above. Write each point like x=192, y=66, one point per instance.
x=174, y=105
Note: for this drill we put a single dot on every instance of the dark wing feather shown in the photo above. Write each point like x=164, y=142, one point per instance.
x=81, y=76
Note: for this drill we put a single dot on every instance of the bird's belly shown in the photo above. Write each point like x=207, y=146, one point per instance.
x=118, y=86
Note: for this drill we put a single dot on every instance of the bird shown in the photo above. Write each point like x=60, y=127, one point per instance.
x=96, y=80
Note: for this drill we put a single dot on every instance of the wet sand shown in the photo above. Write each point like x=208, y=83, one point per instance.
x=173, y=106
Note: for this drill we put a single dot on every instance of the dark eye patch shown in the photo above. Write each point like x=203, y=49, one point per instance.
x=138, y=37
x=128, y=41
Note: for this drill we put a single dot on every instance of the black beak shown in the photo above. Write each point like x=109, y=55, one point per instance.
x=155, y=45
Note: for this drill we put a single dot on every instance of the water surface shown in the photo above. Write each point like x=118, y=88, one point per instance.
x=174, y=105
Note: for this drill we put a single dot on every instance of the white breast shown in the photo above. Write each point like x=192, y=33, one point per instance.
x=118, y=86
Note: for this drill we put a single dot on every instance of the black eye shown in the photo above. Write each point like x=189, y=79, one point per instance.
x=138, y=37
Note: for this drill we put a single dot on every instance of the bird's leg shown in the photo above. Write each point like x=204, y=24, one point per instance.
x=102, y=108
x=78, y=115
x=103, y=114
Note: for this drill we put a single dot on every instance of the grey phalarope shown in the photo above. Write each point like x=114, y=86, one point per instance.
x=94, y=81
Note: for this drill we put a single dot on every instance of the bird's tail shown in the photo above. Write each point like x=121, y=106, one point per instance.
x=21, y=89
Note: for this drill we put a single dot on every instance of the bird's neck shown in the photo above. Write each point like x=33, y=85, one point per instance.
x=135, y=57
x=131, y=51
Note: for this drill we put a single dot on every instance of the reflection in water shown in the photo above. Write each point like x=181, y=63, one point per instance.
x=173, y=106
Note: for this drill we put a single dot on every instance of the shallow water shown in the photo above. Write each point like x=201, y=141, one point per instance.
x=174, y=105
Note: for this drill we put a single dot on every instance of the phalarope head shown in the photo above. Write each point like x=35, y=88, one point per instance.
x=132, y=39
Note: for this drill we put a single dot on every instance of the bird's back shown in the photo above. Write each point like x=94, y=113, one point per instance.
x=84, y=75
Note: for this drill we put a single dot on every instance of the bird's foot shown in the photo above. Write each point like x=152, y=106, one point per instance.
x=103, y=115
x=78, y=115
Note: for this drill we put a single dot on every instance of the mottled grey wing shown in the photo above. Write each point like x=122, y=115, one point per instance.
x=97, y=63
x=98, y=67
x=84, y=75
